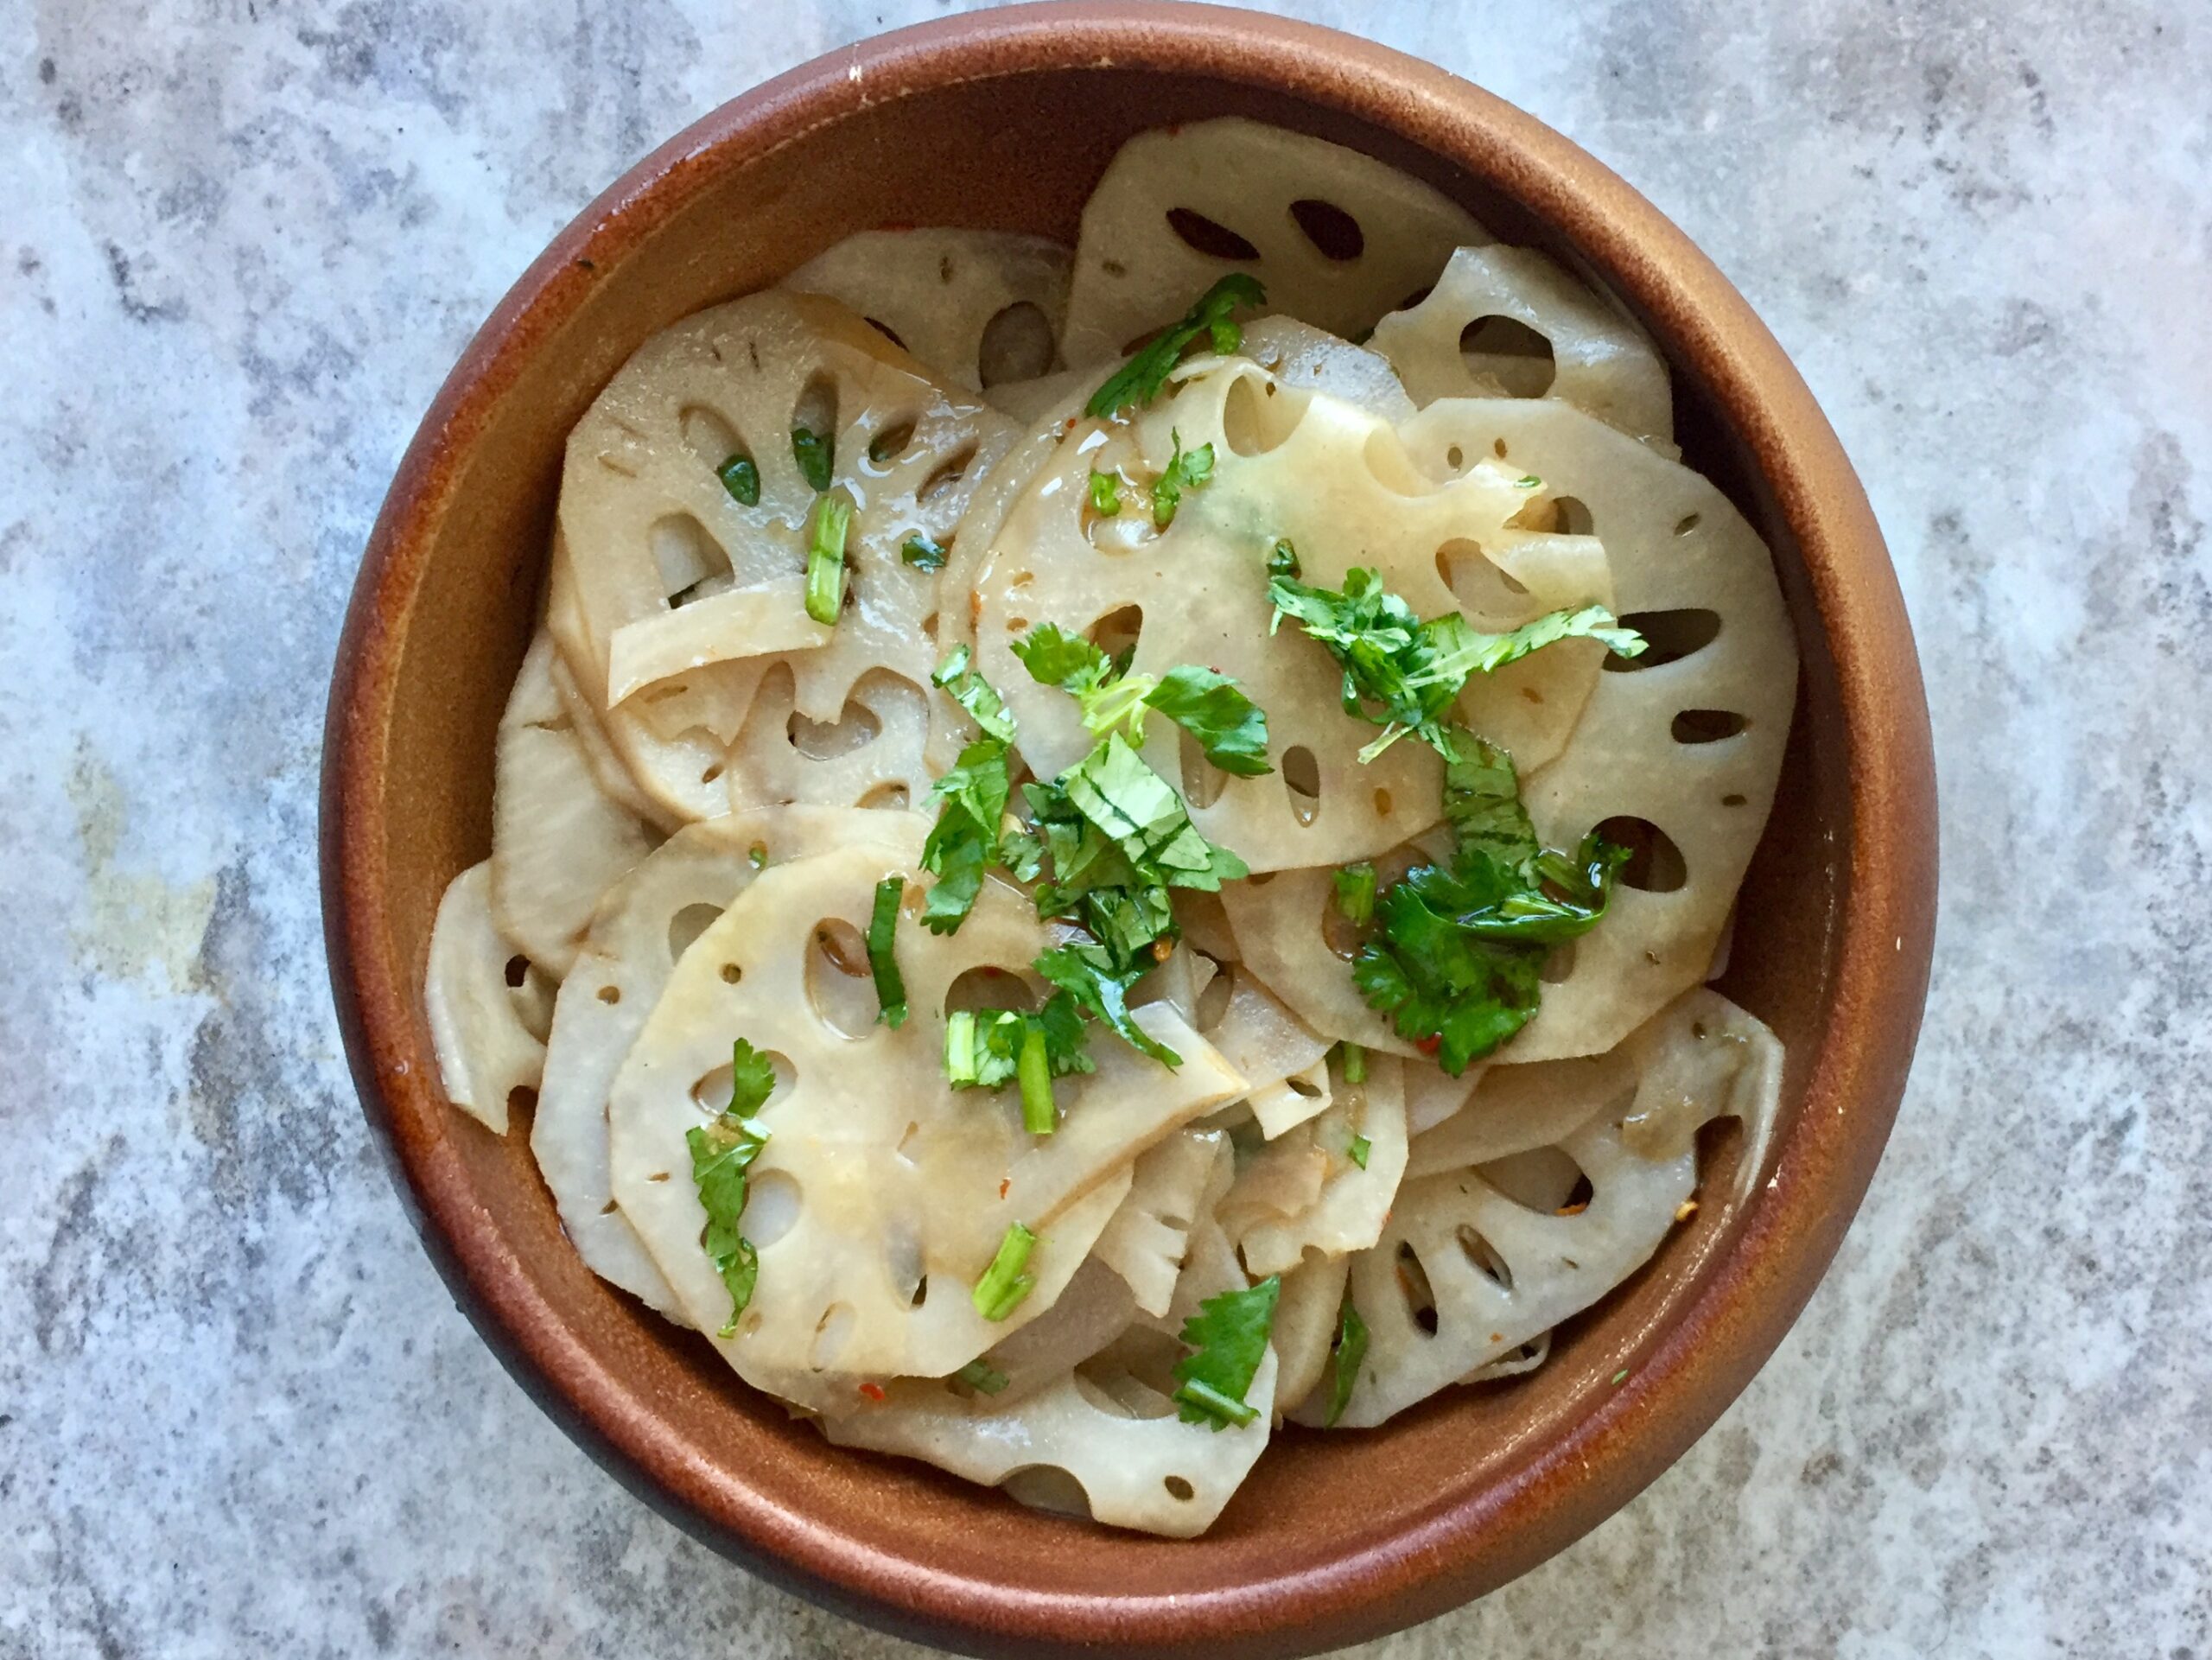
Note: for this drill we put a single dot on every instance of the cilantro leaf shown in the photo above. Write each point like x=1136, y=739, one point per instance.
x=922, y=553
x=1229, y=726
x=1227, y=1338
x=1186, y=470
x=972, y=796
x=1139, y=380
x=1345, y=1355
x=1105, y=494
x=985, y=1048
x=1056, y=657
x=722, y=1149
x=1088, y=975
x=1455, y=957
x=1140, y=813
x=883, y=964
x=982, y=1378
x=1404, y=675
x=974, y=694
x=1355, y=885
x=1359, y=1148
x=815, y=455
x=741, y=478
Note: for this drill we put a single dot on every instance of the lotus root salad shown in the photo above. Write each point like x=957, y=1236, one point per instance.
x=1099, y=853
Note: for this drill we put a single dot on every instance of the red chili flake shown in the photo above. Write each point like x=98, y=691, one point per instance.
x=874, y=1391
x=1005, y=1182
x=1429, y=1046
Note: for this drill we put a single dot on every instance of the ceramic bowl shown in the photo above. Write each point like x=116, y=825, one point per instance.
x=1005, y=119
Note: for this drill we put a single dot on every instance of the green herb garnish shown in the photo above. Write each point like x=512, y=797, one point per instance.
x=922, y=553
x=816, y=455
x=1347, y=1352
x=1003, y=1286
x=1355, y=1064
x=882, y=928
x=972, y=797
x=1186, y=470
x=741, y=479
x=1105, y=494
x=1360, y=1146
x=825, y=557
x=1227, y=1338
x=1139, y=380
x=1404, y=675
x=1212, y=708
x=1456, y=955
x=982, y=1378
x=722, y=1149
x=985, y=1048
x=1355, y=885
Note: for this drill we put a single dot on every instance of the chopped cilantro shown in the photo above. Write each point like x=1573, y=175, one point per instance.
x=988, y=1047
x=1402, y=674
x=1139, y=380
x=1360, y=1147
x=1186, y=470
x=882, y=926
x=741, y=479
x=722, y=1149
x=815, y=455
x=1212, y=708
x=1227, y=1338
x=1003, y=1286
x=1105, y=494
x=1355, y=1064
x=1355, y=885
x=1455, y=959
x=983, y=1376
x=1282, y=559
x=974, y=694
x=972, y=796
x=825, y=557
x=1140, y=813
x=1345, y=1356
x=922, y=553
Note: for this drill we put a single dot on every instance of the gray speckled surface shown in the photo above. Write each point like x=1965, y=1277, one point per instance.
x=243, y=240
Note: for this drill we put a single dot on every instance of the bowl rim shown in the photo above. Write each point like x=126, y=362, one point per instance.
x=1749, y=1298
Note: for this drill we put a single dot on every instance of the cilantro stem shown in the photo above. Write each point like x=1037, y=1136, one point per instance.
x=825, y=557
x=1350, y=1349
x=1035, y=1072
x=1198, y=1393
x=1003, y=1286
x=1355, y=1069
x=960, y=1049
x=983, y=1376
x=882, y=928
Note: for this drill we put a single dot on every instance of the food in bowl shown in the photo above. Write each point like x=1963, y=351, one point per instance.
x=1098, y=852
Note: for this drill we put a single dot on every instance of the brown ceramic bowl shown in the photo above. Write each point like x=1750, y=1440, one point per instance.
x=1005, y=119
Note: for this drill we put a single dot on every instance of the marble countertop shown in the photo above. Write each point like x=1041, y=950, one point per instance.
x=242, y=241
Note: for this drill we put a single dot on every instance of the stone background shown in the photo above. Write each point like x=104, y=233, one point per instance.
x=242, y=241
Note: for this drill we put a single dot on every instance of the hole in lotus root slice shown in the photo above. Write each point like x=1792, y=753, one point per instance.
x=839, y=988
x=1507, y=322
x=1106, y=1434
x=642, y=925
x=1705, y=725
x=559, y=840
x=693, y=566
x=1301, y=777
x=486, y=1051
x=1234, y=183
x=1300, y=358
x=1557, y=1265
x=877, y=744
x=1654, y=863
x=1621, y=760
x=760, y=365
x=1320, y=480
x=948, y=295
x=1669, y=637
x=965, y=1174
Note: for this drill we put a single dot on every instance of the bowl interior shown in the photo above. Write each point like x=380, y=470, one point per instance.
x=1017, y=152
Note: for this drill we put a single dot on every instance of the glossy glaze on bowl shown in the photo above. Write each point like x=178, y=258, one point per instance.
x=1005, y=119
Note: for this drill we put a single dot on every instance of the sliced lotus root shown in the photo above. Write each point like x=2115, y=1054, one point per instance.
x=1338, y=237
x=1211, y=1265
x=1307, y=359
x=557, y=841
x=1464, y=1275
x=977, y=307
x=1307, y=1316
x=1030, y=401
x=1097, y=1307
x=1282, y=926
x=1507, y=323
x=875, y=755
x=1432, y=1095
x=1110, y=1438
x=1676, y=754
x=1145, y=1242
x=1290, y=464
x=609, y=770
x=479, y=997
x=1274, y=1051
x=1513, y=1109
x=1351, y=1202
x=642, y=926
x=673, y=571
x=882, y=1195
